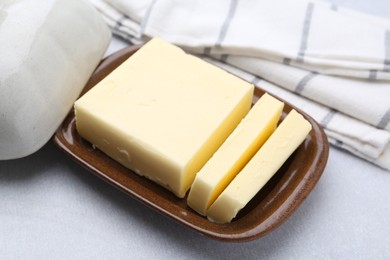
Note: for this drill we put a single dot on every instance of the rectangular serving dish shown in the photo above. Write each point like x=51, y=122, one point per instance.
x=281, y=196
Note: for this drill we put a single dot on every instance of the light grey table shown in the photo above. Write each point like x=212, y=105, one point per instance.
x=51, y=208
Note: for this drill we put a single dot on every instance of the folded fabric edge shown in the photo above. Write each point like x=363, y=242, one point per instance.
x=375, y=152
x=383, y=160
x=378, y=69
x=382, y=154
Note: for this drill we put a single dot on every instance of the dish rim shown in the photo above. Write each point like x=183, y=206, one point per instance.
x=223, y=232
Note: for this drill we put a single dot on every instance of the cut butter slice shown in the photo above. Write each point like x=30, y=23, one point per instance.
x=163, y=113
x=264, y=164
x=234, y=153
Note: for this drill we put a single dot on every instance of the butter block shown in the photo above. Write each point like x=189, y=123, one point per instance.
x=264, y=164
x=235, y=153
x=163, y=113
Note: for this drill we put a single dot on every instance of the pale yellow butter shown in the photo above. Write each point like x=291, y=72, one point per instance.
x=163, y=113
x=265, y=163
x=234, y=153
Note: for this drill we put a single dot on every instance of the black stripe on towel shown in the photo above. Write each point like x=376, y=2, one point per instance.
x=226, y=24
x=373, y=74
x=387, y=51
x=384, y=120
x=207, y=51
x=286, y=61
x=224, y=58
x=119, y=22
x=303, y=82
x=328, y=117
x=305, y=32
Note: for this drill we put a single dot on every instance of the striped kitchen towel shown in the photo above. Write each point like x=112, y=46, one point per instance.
x=331, y=62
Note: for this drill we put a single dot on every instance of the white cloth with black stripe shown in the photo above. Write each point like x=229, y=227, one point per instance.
x=331, y=62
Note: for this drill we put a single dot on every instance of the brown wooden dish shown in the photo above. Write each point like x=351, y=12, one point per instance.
x=267, y=210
